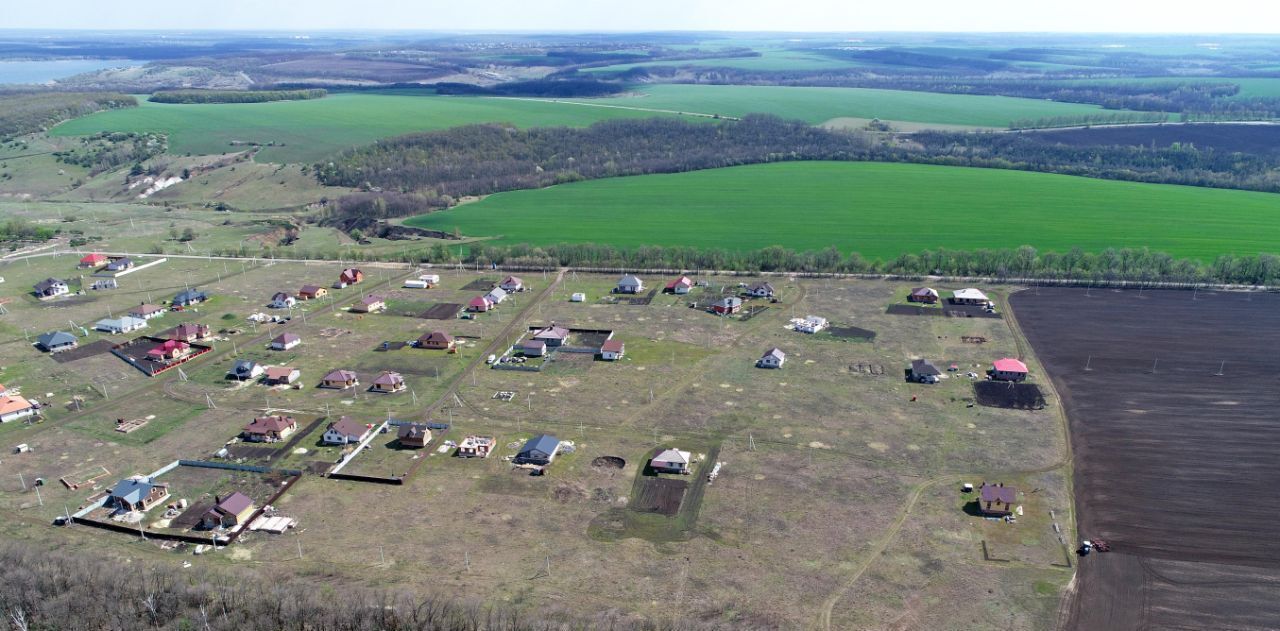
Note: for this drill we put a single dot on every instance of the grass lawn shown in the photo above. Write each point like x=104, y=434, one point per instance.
x=878, y=210
x=314, y=129
x=818, y=105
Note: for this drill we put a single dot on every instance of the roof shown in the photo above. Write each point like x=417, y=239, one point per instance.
x=388, y=378
x=350, y=272
x=48, y=283
x=280, y=372
x=436, y=336
x=370, y=300
x=311, y=289
x=235, y=503
x=273, y=423
x=512, y=280
x=969, y=293
x=1000, y=493
x=125, y=262
x=187, y=329
x=924, y=367
x=9, y=405
x=93, y=258
x=761, y=287
x=924, y=291
x=534, y=344
x=168, y=346
x=480, y=301
x=146, y=309
x=813, y=319
x=133, y=489
x=1009, y=364
x=280, y=295
x=348, y=426
x=498, y=292
x=683, y=280
x=552, y=332
x=612, y=346
x=243, y=367
x=776, y=352
x=630, y=279
x=55, y=338
x=340, y=375
x=673, y=455
x=190, y=295
x=123, y=322
x=413, y=430
x=544, y=443
x=285, y=338
x=731, y=301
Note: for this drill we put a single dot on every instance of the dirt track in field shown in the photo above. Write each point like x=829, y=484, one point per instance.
x=1176, y=465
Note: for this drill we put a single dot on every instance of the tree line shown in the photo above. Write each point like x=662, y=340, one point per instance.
x=234, y=96
x=30, y=112
x=44, y=589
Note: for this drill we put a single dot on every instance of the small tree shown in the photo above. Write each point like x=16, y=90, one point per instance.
x=187, y=234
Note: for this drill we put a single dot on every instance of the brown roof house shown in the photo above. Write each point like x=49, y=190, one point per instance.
x=285, y=341
x=436, y=340
x=612, y=350
x=147, y=311
x=269, y=429
x=187, y=332
x=282, y=375
x=388, y=382
x=231, y=510
x=369, y=304
x=340, y=380
x=512, y=284
x=553, y=335
x=926, y=295
x=349, y=276
x=415, y=435
x=533, y=348
x=996, y=500
x=345, y=431
x=312, y=292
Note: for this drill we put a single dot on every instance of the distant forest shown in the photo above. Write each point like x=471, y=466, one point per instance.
x=234, y=96
x=29, y=112
x=421, y=172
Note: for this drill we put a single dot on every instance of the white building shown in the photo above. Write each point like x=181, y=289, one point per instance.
x=671, y=461
x=126, y=324
x=772, y=359
x=811, y=324
x=630, y=284
x=969, y=296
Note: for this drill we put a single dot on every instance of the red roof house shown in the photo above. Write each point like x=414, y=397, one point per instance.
x=1009, y=369
x=479, y=304
x=169, y=350
x=996, y=499
x=349, y=276
x=93, y=260
x=680, y=285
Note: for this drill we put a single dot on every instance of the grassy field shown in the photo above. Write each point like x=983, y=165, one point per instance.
x=879, y=210
x=312, y=130
x=818, y=105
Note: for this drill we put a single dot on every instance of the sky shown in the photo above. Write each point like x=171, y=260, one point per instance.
x=1090, y=16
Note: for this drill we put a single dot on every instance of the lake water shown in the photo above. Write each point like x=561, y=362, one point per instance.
x=43, y=71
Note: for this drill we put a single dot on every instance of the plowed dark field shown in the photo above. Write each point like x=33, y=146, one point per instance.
x=1176, y=465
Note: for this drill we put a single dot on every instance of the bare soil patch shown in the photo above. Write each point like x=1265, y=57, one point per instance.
x=442, y=311
x=1014, y=396
x=659, y=495
x=81, y=352
x=912, y=310
x=852, y=332
x=609, y=462
x=480, y=284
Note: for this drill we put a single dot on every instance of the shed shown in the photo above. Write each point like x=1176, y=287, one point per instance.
x=539, y=450
x=533, y=348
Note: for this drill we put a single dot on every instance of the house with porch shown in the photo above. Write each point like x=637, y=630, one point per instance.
x=244, y=370
x=511, y=284
x=969, y=296
x=436, y=341
x=190, y=297
x=388, y=382
x=340, y=380
x=924, y=295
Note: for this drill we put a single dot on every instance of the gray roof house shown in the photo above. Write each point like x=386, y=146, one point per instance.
x=123, y=324
x=924, y=371
x=540, y=450
x=245, y=369
x=630, y=284
x=51, y=287
x=190, y=297
x=137, y=493
x=55, y=341
x=772, y=359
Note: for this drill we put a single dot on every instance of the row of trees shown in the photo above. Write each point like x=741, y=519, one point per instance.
x=46, y=590
x=235, y=96
x=30, y=112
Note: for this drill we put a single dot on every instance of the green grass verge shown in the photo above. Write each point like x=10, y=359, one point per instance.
x=876, y=209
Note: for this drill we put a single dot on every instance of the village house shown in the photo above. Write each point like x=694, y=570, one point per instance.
x=187, y=332
x=345, y=431
x=55, y=341
x=630, y=284
x=476, y=447
x=760, y=290
x=285, y=341
x=726, y=306
x=969, y=296
x=578, y=297
x=430, y=279
x=244, y=370
x=680, y=286
x=138, y=493
x=105, y=283
x=480, y=304
x=811, y=324
x=230, y=510
x=93, y=260
x=496, y=295
x=996, y=500
x=533, y=348
x=269, y=429
x=612, y=350
x=348, y=277
x=671, y=461
x=413, y=435
x=126, y=324
x=416, y=283
x=13, y=407
x=772, y=359
x=190, y=297
x=51, y=288
x=924, y=371
x=312, y=292
x=282, y=300
x=369, y=304
x=1009, y=369
x=340, y=380
x=926, y=295
x=554, y=336
x=282, y=375
x=511, y=284
x=388, y=382
x=539, y=450
x=120, y=265
x=437, y=341
x=147, y=311
x=169, y=350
